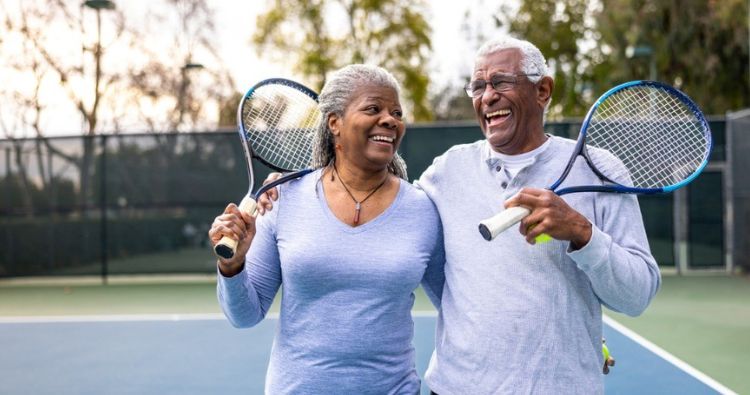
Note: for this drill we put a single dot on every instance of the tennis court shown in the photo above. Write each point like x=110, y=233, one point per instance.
x=168, y=337
x=119, y=146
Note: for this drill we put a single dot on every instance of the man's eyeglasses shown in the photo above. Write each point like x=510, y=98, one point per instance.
x=499, y=82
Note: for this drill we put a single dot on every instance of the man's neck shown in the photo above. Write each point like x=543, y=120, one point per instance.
x=533, y=142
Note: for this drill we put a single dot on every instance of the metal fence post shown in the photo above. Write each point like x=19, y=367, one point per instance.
x=103, y=208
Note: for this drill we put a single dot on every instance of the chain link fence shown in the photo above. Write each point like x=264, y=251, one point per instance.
x=738, y=136
x=143, y=203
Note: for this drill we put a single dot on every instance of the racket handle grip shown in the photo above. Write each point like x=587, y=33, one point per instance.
x=491, y=227
x=227, y=246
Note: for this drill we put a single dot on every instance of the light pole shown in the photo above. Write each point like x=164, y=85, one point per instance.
x=98, y=6
x=184, y=83
x=644, y=51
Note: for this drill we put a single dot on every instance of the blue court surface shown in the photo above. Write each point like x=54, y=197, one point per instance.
x=203, y=354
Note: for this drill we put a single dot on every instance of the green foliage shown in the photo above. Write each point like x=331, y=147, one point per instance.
x=556, y=27
x=60, y=195
x=55, y=245
x=390, y=33
x=699, y=46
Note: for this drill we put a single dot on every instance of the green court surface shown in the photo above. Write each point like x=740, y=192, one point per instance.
x=703, y=320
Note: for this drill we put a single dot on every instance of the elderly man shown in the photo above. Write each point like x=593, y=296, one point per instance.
x=517, y=316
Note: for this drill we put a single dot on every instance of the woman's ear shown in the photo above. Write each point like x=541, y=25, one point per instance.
x=334, y=124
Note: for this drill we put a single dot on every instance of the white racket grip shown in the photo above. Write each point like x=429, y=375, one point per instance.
x=491, y=227
x=227, y=246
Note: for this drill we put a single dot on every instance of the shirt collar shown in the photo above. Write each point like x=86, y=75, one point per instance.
x=493, y=161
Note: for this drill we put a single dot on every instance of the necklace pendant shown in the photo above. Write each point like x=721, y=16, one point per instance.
x=357, y=208
x=357, y=204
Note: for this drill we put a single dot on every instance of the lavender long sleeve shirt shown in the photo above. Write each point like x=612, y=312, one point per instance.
x=345, y=324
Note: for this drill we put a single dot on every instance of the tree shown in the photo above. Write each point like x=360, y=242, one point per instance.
x=390, y=33
x=42, y=29
x=450, y=100
x=452, y=104
x=558, y=28
x=174, y=86
x=53, y=49
x=168, y=79
x=699, y=46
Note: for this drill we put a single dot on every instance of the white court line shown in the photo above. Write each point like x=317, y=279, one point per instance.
x=424, y=313
x=217, y=316
x=680, y=364
x=51, y=319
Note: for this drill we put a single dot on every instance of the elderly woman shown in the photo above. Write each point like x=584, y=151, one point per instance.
x=346, y=245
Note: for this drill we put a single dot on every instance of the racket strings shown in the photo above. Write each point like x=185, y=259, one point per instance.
x=279, y=122
x=658, y=140
x=278, y=134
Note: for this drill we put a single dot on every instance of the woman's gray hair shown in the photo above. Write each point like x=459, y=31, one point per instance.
x=336, y=96
x=532, y=62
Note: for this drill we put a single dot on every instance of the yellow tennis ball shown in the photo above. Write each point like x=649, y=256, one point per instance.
x=542, y=238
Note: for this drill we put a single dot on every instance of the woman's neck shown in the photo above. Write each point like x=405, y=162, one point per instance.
x=358, y=179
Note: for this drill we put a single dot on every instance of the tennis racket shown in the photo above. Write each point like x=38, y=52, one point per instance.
x=640, y=137
x=277, y=119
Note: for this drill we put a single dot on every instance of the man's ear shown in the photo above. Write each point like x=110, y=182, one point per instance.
x=544, y=90
x=334, y=123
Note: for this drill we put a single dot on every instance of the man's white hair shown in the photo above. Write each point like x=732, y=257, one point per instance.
x=533, y=61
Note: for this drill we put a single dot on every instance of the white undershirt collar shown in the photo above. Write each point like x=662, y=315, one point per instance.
x=512, y=164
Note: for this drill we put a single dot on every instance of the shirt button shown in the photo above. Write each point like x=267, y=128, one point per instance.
x=498, y=168
x=504, y=184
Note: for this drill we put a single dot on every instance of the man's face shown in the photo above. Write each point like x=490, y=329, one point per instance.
x=509, y=119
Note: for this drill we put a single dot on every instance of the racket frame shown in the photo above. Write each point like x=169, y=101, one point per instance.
x=581, y=148
x=491, y=227
x=249, y=154
x=227, y=246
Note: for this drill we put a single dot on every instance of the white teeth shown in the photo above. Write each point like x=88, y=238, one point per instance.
x=497, y=113
x=382, y=138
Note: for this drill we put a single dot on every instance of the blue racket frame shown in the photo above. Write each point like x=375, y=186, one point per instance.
x=580, y=147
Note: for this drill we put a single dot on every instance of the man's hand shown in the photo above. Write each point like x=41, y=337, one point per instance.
x=550, y=214
x=265, y=201
x=608, y=360
x=607, y=363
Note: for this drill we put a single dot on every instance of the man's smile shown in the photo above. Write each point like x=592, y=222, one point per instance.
x=496, y=117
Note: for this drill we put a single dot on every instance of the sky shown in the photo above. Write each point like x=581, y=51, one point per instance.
x=235, y=19
x=451, y=57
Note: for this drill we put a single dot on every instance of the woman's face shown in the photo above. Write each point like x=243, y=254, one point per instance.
x=371, y=129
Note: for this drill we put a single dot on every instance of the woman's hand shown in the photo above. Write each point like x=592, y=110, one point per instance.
x=239, y=226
